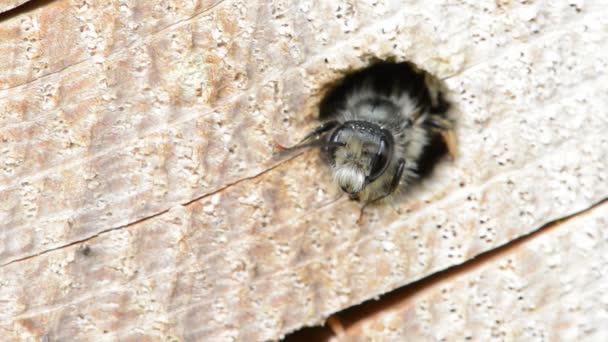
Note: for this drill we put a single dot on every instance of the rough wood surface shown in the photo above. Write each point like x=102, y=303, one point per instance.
x=139, y=197
x=553, y=287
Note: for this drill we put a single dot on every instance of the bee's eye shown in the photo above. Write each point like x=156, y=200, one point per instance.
x=380, y=161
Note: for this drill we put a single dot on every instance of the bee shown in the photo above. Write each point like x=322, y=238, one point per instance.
x=377, y=126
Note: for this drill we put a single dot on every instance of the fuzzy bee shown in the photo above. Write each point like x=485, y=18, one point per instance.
x=377, y=126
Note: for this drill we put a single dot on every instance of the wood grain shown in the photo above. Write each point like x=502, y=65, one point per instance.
x=550, y=287
x=139, y=197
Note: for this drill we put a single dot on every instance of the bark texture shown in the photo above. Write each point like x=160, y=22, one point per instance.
x=138, y=192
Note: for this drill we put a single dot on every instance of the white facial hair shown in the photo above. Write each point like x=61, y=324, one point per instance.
x=349, y=178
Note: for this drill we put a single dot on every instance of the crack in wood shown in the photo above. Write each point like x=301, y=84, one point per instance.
x=350, y=318
x=25, y=7
x=154, y=215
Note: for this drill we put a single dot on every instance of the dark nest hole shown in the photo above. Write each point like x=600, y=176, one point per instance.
x=387, y=75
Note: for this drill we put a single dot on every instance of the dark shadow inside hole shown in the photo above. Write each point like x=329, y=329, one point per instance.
x=433, y=152
x=386, y=77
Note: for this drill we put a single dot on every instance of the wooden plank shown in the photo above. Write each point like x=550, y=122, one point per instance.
x=553, y=287
x=139, y=196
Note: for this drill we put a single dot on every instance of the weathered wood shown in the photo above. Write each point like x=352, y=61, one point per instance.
x=139, y=196
x=552, y=287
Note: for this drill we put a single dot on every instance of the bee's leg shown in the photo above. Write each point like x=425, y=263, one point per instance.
x=444, y=128
x=390, y=190
x=396, y=179
x=450, y=142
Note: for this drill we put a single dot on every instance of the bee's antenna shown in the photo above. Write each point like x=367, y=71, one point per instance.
x=318, y=142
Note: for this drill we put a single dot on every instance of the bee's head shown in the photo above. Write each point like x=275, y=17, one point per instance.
x=360, y=152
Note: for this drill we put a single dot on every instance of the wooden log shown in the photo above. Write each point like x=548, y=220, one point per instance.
x=139, y=197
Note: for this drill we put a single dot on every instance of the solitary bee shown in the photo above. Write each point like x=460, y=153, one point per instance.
x=377, y=125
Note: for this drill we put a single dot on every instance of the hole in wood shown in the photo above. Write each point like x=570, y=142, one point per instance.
x=383, y=127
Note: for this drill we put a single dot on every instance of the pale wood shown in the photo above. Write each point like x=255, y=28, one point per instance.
x=553, y=287
x=167, y=113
